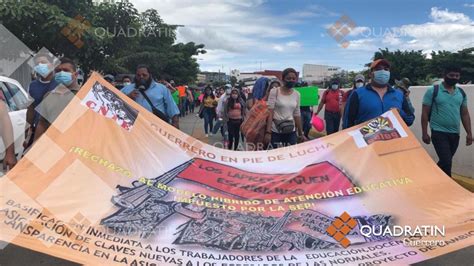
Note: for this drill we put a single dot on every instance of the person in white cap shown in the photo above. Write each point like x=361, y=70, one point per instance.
x=359, y=82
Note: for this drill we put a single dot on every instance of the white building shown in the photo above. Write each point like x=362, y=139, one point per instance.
x=200, y=78
x=318, y=73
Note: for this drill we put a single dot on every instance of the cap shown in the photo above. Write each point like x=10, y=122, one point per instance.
x=359, y=77
x=109, y=77
x=404, y=83
x=378, y=62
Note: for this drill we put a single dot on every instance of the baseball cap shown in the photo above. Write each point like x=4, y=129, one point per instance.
x=109, y=78
x=378, y=62
x=359, y=77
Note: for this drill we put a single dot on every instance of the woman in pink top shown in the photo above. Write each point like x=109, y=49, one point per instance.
x=234, y=114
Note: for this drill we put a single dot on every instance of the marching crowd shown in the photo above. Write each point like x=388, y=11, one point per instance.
x=268, y=116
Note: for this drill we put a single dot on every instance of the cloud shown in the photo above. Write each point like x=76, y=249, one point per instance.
x=469, y=5
x=294, y=44
x=367, y=44
x=444, y=16
x=227, y=25
x=289, y=46
x=447, y=30
x=278, y=48
x=359, y=31
x=232, y=31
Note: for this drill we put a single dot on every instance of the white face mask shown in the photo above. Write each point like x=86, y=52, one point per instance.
x=126, y=83
x=359, y=84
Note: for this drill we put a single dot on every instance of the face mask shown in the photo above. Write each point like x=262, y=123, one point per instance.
x=334, y=86
x=42, y=70
x=359, y=84
x=228, y=92
x=451, y=82
x=126, y=83
x=381, y=76
x=290, y=84
x=64, y=78
x=235, y=96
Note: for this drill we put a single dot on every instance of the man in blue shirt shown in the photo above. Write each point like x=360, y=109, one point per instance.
x=43, y=84
x=158, y=94
x=376, y=98
x=444, y=106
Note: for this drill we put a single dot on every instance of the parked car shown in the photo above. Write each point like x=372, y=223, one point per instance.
x=17, y=100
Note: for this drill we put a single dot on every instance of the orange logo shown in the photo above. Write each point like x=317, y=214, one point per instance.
x=341, y=227
x=74, y=30
x=340, y=29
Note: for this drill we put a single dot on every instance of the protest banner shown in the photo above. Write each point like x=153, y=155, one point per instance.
x=110, y=183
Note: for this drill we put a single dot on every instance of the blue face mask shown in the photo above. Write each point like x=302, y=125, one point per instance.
x=381, y=76
x=64, y=78
x=334, y=86
x=42, y=70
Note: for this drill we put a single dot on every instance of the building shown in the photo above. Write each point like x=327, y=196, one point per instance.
x=318, y=73
x=215, y=76
x=200, y=78
x=272, y=74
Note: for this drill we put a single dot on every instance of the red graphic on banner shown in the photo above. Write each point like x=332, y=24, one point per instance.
x=317, y=178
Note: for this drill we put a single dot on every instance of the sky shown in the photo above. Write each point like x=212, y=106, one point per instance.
x=250, y=35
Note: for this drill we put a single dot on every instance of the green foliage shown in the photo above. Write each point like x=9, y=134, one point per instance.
x=422, y=70
x=117, y=40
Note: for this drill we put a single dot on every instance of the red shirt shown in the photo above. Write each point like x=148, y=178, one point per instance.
x=346, y=95
x=332, y=100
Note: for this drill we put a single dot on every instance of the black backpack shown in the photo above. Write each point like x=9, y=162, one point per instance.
x=433, y=99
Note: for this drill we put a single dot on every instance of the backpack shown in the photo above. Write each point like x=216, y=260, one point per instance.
x=254, y=125
x=433, y=99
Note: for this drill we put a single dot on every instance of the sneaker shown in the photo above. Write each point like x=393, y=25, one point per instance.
x=210, y=134
x=207, y=135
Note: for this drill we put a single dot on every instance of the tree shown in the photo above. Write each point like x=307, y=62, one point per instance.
x=422, y=70
x=116, y=38
x=463, y=59
x=405, y=64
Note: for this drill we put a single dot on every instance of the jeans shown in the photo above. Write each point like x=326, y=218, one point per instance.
x=333, y=120
x=208, y=114
x=233, y=126
x=191, y=107
x=306, y=120
x=182, y=106
x=445, y=145
x=281, y=140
